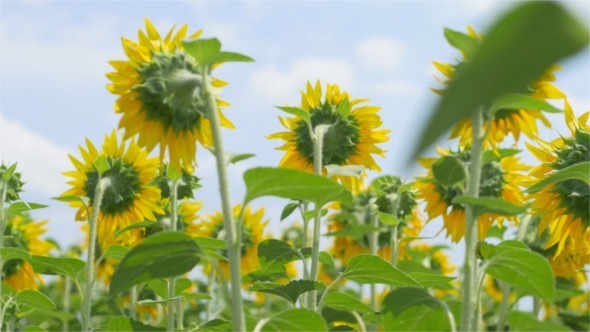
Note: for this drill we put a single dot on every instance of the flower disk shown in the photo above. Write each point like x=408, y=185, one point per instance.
x=156, y=99
x=129, y=198
x=351, y=139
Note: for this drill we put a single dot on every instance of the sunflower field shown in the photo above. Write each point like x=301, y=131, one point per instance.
x=356, y=258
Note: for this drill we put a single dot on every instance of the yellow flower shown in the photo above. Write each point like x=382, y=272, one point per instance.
x=26, y=235
x=492, y=289
x=505, y=121
x=129, y=198
x=252, y=235
x=148, y=106
x=563, y=206
x=500, y=178
x=351, y=139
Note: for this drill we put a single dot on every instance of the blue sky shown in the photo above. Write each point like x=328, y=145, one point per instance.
x=54, y=58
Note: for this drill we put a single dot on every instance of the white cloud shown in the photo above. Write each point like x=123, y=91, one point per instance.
x=282, y=85
x=39, y=160
x=398, y=87
x=381, y=53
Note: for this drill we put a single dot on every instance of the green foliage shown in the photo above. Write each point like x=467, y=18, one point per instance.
x=160, y=287
x=295, y=320
x=288, y=210
x=462, y=42
x=298, y=112
x=208, y=52
x=495, y=205
x=34, y=299
x=13, y=253
x=524, y=321
x=514, y=101
x=345, y=302
x=368, y=269
x=293, y=184
x=64, y=266
x=580, y=171
x=448, y=170
x=290, y=291
x=166, y=254
x=18, y=207
x=116, y=251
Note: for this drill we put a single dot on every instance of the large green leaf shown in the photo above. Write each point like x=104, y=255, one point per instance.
x=64, y=266
x=448, y=170
x=290, y=291
x=515, y=101
x=161, y=287
x=431, y=279
x=519, y=47
x=21, y=206
x=13, y=253
x=211, y=243
x=116, y=251
x=166, y=254
x=126, y=324
x=34, y=299
x=522, y=269
x=580, y=171
x=461, y=41
x=369, y=269
x=418, y=318
x=345, y=302
x=524, y=321
x=216, y=325
x=279, y=252
x=293, y=184
x=295, y=320
x=400, y=299
x=495, y=205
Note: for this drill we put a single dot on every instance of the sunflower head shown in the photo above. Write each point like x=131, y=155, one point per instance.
x=13, y=185
x=188, y=183
x=501, y=178
x=563, y=206
x=351, y=138
x=129, y=198
x=160, y=90
x=24, y=234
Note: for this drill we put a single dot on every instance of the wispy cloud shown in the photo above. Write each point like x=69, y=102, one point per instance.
x=381, y=53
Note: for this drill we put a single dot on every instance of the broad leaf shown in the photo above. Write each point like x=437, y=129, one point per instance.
x=461, y=41
x=495, y=205
x=161, y=288
x=290, y=291
x=580, y=171
x=116, y=251
x=430, y=279
x=368, y=269
x=388, y=219
x=448, y=170
x=515, y=101
x=143, y=224
x=34, y=299
x=418, y=318
x=126, y=324
x=273, y=251
x=20, y=206
x=216, y=325
x=298, y=112
x=13, y=253
x=345, y=302
x=166, y=254
x=232, y=57
x=524, y=321
x=400, y=299
x=211, y=243
x=64, y=266
x=516, y=51
x=293, y=184
x=205, y=51
x=295, y=320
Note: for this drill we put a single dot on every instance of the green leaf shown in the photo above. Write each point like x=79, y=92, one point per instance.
x=273, y=251
x=116, y=251
x=166, y=254
x=161, y=287
x=311, y=213
x=290, y=291
x=355, y=231
x=298, y=112
x=288, y=209
x=430, y=279
x=33, y=328
x=18, y=207
x=448, y=170
x=345, y=302
x=522, y=269
x=345, y=170
x=580, y=171
x=216, y=325
x=64, y=266
x=13, y=253
x=462, y=42
x=72, y=198
x=490, y=205
x=142, y=224
x=368, y=269
x=195, y=296
x=125, y=324
x=293, y=184
x=102, y=165
x=34, y=299
x=418, y=318
x=344, y=108
x=524, y=321
x=271, y=272
x=388, y=219
x=295, y=320
x=232, y=57
x=9, y=172
x=235, y=158
x=205, y=51
x=326, y=258
x=498, y=154
x=516, y=51
x=515, y=101
x=211, y=243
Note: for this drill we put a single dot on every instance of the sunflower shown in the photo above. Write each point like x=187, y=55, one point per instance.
x=151, y=107
x=505, y=121
x=129, y=198
x=501, y=178
x=252, y=235
x=563, y=206
x=26, y=235
x=493, y=290
x=14, y=184
x=351, y=139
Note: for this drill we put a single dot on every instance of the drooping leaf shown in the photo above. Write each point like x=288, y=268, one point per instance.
x=345, y=302
x=290, y=291
x=18, y=207
x=64, y=266
x=273, y=251
x=580, y=171
x=298, y=112
x=165, y=254
x=495, y=205
x=295, y=320
x=293, y=184
x=224, y=56
x=369, y=269
x=34, y=299
x=520, y=46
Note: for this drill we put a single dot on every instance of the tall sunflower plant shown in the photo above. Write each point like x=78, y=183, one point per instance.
x=353, y=253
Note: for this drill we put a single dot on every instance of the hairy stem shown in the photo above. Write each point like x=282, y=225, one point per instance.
x=101, y=186
x=3, y=188
x=172, y=280
x=233, y=241
x=470, y=266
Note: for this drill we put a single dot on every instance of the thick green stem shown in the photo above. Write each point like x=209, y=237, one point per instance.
x=66, y=302
x=233, y=242
x=101, y=186
x=3, y=188
x=172, y=281
x=393, y=239
x=470, y=266
x=373, y=238
x=318, y=141
x=133, y=302
x=503, y=307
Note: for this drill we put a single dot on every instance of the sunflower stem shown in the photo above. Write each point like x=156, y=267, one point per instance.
x=172, y=280
x=132, y=302
x=393, y=239
x=470, y=266
x=373, y=239
x=101, y=186
x=3, y=188
x=233, y=242
x=66, y=302
x=503, y=307
x=318, y=142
